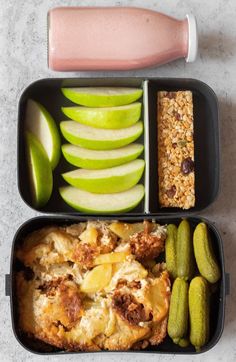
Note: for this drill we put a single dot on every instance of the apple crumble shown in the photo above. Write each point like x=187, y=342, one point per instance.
x=94, y=286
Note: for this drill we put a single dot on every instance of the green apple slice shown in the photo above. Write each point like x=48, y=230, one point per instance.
x=94, y=160
x=40, y=171
x=100, y=139
x=102, y=203
x=107, y=117
x=102, y=96
x=108, y=180
x=39, y=122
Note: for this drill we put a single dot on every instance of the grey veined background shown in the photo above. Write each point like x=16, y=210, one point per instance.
x=23, y=60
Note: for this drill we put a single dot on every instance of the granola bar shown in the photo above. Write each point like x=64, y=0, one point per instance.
x=176, y=175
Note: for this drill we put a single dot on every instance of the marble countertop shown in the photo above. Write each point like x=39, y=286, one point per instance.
x=23, y=60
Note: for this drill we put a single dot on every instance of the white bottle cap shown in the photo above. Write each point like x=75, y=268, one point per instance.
x=192, y=38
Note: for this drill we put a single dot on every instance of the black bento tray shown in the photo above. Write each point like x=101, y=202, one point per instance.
x=218, y=297
x=206, y=148
x=206, y=139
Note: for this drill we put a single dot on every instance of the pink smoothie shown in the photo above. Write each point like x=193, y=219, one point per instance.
x=116, y=38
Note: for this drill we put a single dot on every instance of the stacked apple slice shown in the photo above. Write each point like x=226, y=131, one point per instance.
x=101, y=130
x=42, y=151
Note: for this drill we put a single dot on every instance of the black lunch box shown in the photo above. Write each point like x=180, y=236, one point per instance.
x=206, y=138
x=206, y=148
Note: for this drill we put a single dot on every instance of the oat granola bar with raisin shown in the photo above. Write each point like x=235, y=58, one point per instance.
x=176, y=175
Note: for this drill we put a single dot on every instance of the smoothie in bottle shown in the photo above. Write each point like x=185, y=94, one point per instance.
x=117, y=38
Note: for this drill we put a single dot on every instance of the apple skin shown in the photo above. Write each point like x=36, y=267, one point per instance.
x=34, y=114
x=102, y=203
x=108, y=118
x=101, y=144
x=109, y=180
x=40, y=172
x=108, y=96
x=92, y=160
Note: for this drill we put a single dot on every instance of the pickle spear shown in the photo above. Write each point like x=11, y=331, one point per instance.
x=205, y=258
x=170, y=250
x=199, y=312
x=184, y=249
x=178, y=313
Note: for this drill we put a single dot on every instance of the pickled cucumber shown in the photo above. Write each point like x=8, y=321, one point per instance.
x=170, y=250
x=204, y=254
x=199, y=312
x=178, y=313
x=184, y=251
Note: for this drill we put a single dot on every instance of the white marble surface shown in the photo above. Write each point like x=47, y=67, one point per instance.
x=23, y=60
